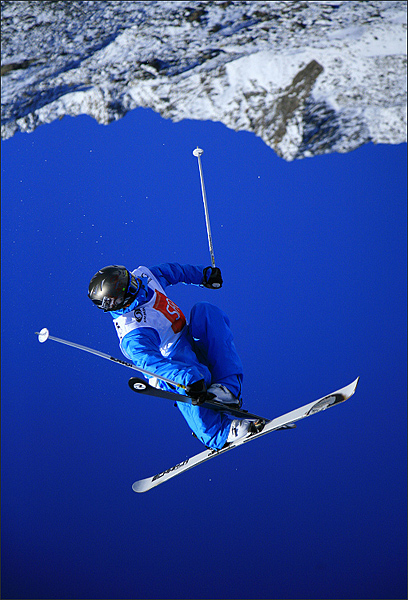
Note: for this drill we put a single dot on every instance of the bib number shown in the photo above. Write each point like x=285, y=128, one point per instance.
x=171, y=311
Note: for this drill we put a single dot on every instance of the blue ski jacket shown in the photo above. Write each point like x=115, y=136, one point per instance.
x=204, y=350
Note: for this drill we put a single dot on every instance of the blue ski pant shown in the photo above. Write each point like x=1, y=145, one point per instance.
x=209, y=343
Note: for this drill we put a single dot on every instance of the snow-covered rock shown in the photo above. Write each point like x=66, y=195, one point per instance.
x=307, y=77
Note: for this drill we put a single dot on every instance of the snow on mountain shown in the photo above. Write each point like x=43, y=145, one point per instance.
x=309, y=77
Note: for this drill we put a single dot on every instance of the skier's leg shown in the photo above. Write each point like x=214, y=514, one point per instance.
x=184, y=353
x=214, y=345
x=215, y=429
x=211, y=427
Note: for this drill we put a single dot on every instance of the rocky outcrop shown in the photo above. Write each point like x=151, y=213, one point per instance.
x=307, y=77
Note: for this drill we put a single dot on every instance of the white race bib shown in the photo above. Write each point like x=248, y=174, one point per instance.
x=160, y=313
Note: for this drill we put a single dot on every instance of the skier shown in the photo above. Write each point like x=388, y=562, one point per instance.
x=155, y=335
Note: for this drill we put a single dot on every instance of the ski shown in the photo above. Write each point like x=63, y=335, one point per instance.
x=282, y=422
x=142, y=387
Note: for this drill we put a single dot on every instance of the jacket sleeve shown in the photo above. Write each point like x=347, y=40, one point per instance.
x=173, y=273
x=141, y=346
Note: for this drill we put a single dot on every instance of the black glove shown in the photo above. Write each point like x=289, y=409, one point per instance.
x=197, y=391
x=212, y=278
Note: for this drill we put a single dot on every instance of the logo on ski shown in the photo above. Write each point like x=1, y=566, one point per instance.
x=138, y=385
x=182, y=464
x=326, y=403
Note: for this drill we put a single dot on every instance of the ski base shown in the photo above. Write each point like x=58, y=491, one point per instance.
x=142, y=387
x=283, y=422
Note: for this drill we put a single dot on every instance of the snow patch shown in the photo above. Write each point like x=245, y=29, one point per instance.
x=307, y=77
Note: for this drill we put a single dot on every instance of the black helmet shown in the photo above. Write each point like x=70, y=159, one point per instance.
x=113, y=287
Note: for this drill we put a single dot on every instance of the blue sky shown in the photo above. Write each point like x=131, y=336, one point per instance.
x=313, y=255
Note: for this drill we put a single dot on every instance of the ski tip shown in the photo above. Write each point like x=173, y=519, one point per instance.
x=198, y=151
x=356, y=382
x=43, y=335
x=140, y=486
x=349, y=389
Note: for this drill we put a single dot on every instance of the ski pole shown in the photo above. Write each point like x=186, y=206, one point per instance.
x=44, y=335
x=198, y=152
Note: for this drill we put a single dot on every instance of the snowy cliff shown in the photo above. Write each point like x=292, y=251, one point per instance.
x=307, y=77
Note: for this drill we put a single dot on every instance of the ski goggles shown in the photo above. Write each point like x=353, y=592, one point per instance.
x=133, y=287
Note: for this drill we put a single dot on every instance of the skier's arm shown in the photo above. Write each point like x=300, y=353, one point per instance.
x=173, y=273
x=142, y=347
